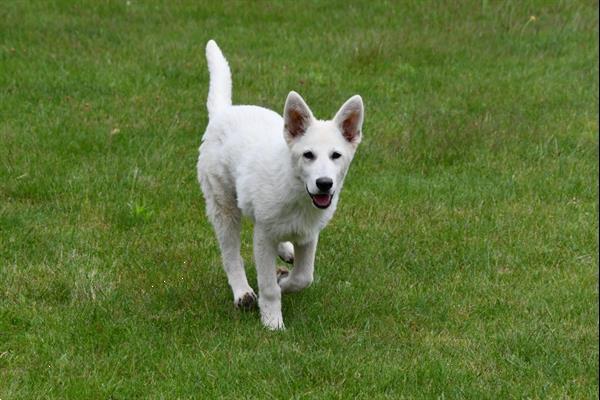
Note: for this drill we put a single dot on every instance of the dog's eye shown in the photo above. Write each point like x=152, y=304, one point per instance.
x=335, y=155
x=308, y=155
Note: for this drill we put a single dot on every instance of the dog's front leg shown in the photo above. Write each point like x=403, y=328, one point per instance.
x=269, y=293
x=301, y=275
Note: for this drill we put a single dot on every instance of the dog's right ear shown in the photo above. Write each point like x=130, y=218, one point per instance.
x=297, y=117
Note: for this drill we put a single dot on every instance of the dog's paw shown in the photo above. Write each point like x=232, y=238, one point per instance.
x=272, y=321
x=282, y=272
x=285, y=250
x=246, y=301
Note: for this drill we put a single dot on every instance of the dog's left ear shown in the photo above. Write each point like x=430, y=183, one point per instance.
x=349, y=119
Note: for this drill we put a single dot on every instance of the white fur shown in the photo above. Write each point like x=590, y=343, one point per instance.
x=252, y=162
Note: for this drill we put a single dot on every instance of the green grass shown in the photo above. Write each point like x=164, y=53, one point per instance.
x=462, y=261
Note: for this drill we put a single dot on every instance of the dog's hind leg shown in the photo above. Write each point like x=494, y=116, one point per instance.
x=226, y=219
x=285, y=250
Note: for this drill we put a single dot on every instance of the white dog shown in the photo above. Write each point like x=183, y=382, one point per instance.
x=285, y=174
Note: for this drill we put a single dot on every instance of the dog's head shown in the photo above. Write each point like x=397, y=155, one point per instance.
x=322, y=150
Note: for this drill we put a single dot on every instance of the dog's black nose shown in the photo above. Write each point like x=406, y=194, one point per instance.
x=324, y=184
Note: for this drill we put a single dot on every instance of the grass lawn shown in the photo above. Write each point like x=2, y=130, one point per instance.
x=462, y=261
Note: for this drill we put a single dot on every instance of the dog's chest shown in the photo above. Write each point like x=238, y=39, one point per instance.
x=298, y=226
x=288, y=222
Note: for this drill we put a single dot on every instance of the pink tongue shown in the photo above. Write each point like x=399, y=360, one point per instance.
x=322, y=199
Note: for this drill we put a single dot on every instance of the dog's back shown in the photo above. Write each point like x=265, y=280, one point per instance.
x=243, y=148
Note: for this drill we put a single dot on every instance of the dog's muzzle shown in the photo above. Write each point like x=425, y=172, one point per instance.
x=321, y=200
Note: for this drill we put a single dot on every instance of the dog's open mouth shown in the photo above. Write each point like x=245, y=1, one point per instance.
x=321, y=200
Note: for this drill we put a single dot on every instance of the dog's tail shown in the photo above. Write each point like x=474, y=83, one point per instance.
x=219, y=91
